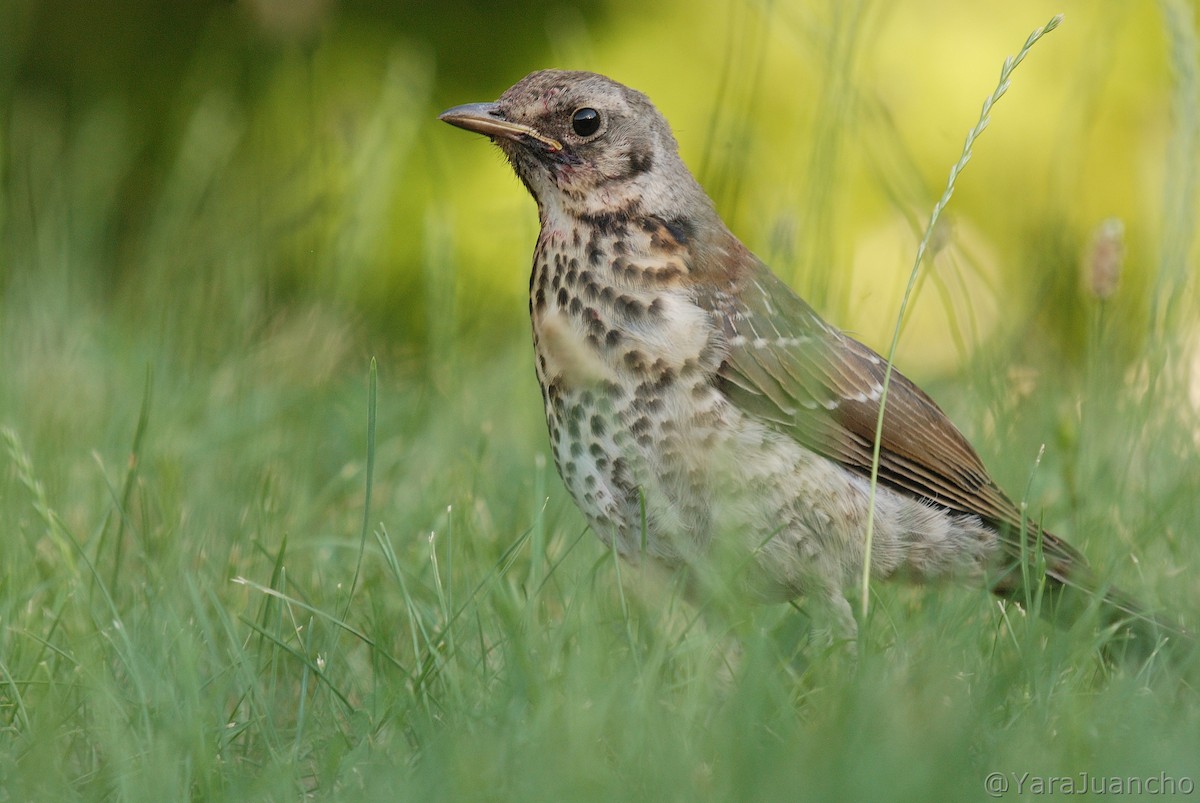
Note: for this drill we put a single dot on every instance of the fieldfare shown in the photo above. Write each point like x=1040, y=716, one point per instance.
x=697, y=406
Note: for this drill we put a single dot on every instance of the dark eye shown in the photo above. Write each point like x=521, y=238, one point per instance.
x=585, y=122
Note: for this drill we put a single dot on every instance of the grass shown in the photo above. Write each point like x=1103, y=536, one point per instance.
x=1006, y=71
x=181, y=617
x=226, y=652
x=243, y=561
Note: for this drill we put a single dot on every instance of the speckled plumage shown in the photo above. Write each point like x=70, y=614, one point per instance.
x=693, y=400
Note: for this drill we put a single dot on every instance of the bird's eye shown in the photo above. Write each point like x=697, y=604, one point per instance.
x=585, y=122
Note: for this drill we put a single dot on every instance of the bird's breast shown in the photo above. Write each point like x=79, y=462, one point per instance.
x=609, y=301
x=627, y=362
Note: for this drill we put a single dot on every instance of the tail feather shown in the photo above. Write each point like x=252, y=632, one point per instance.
x=1050, y=571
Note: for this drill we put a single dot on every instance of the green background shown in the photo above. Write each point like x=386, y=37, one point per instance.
x=213, y=215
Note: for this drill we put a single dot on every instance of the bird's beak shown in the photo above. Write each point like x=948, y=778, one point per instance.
x=487, y=119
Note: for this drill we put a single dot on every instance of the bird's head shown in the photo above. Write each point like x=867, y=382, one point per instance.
x=585, y=143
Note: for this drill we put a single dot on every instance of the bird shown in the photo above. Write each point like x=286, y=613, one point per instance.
x=699, y=410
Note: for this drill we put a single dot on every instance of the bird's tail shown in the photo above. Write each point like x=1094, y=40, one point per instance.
x=1051, y=575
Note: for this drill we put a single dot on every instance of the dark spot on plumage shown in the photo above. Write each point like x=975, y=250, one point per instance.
x=650, y=404
x=668, y=273
x=635, y=360
x=590, y=482
x=601, y=461
x=640, y=162
x=569, y=469
x=595, y=255
x=596, y=326
x=541, y=299
x=576, y=305
x=556, y=282
x=576, y=449
x=612, y=339
x=644, y=439
x=656, y=306
x=619, y=247
x=563, y=298
x=607, y=294
x=597, y=425
x=586, y=399
x=609, y=223
x=641, y=425
x=572, y=276
x=576, y=240
x=610, y=389
x=588, y=498
x=682, y=229
x=629, y=306
x=620, y=471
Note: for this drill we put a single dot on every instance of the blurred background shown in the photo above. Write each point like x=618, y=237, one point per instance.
x=250, y=199
x=180, y=165
x=215, y=213
x=242, y=195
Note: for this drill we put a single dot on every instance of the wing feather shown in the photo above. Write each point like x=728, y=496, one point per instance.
x=785, y=366
x=788, y=367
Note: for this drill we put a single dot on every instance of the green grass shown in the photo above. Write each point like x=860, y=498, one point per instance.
x=178, y=616
x=491, y=648
x=197, y=600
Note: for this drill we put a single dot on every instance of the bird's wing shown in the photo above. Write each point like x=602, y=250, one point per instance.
x=788, y=367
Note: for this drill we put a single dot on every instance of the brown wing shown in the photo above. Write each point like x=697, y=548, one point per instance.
x=787, y=366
